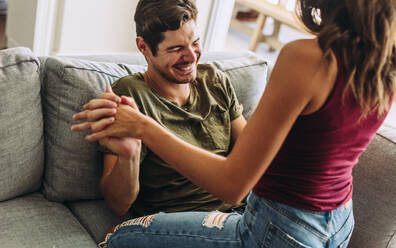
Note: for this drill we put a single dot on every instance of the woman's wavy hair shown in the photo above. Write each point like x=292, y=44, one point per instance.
x=154, y=17
x=363, y=35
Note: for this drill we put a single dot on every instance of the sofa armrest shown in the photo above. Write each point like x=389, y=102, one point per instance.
x=374, y=195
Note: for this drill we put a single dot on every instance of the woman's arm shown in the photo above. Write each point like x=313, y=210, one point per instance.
x=292, y=90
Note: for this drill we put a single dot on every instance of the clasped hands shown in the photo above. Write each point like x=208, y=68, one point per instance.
x=114, y=121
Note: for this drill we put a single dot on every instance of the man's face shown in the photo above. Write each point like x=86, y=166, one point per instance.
x=178, y=54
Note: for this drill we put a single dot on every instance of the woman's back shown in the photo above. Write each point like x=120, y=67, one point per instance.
x=313, y=168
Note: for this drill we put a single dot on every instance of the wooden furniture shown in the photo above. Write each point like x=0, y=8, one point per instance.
x=280, y=15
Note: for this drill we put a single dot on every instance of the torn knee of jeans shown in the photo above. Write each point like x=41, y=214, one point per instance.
x=215, y=219
x=141, y=221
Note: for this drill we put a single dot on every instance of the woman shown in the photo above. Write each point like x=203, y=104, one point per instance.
x=322, y=106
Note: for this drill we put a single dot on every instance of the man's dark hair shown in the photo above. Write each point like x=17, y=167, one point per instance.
x=154, y=17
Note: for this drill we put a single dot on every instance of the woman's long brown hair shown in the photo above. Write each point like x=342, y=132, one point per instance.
x=363, y=35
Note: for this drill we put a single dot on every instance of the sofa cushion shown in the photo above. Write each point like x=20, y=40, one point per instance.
x=96, y=217
x=73, y=166
x=21, y=123
x=374, y=195
x=33, y=222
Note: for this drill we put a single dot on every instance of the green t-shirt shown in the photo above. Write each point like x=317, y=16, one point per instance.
x=204, y=121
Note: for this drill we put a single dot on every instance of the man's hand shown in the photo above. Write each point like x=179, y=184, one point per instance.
x=98, y=112
x=127, y=122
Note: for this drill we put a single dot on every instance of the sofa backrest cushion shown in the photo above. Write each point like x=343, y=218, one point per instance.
x=74, y=166
x=21, y=123
x=248, y=76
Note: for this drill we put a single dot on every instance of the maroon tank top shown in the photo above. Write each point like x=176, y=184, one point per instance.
x=313, y=168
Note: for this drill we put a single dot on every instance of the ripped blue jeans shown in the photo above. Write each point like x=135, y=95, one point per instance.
x=264, y=223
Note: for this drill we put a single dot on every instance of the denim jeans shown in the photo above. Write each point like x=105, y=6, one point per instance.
x=264, y=223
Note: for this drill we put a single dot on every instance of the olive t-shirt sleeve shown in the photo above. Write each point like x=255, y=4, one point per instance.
x=234, y=106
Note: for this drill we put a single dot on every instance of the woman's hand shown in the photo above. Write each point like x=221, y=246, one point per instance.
x=98, y=112
x=127, y=122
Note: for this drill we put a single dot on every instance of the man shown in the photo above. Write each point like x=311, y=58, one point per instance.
x=196, y=102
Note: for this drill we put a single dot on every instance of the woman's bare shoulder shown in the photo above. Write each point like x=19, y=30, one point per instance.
x=306, y=58
x=304, y=50
x=309, y=70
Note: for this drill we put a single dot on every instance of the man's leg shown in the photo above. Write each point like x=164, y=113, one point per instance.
x=185, y=229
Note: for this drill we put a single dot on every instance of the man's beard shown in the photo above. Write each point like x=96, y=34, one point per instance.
x=172, y=79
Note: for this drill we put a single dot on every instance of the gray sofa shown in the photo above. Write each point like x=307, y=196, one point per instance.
x=49, y=177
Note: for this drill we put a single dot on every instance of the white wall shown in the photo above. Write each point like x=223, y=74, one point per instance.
x=97, y=26
x=204, y=9
x=67, y=27
x=20, y=29
x=218, y=24
x=214, y=20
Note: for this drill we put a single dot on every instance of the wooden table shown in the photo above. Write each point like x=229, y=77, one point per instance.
x=266, y=9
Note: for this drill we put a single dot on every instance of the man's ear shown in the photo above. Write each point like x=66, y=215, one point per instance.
x=142, y=46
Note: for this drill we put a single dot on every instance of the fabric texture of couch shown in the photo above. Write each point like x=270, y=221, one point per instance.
x=49, y=194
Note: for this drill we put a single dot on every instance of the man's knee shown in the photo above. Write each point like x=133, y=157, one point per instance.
x=215, y=219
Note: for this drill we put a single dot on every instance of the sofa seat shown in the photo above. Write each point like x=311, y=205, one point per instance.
x=96, y=217
x=33, y=221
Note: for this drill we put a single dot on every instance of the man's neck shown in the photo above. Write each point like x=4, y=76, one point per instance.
x=179, y=93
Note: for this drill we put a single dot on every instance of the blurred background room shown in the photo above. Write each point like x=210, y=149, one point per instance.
x=76, y=27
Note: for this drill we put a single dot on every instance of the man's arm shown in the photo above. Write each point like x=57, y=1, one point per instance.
x=120, y=180
x=237, y=126
x=238, y=121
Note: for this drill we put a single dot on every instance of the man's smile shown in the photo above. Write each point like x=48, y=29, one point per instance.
x=185, y=68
